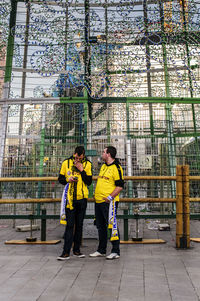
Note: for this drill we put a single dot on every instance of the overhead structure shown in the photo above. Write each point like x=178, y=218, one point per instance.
x=95, y=73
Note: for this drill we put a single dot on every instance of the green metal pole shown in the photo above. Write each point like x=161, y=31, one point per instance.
x=88, y=105
x=7, y=79
x=33, y=174
x=87, y=62
x=85, y=124
x=171, y=100
x=85, y=138
x=130, y=172
x=168, y=107
x=106, y=32
x=130, y=183
x=66, y=48
x=107, y=72
x=186, y=46
x=152, y=185
x=185, y=30
x=41, y=159
x=10, y=45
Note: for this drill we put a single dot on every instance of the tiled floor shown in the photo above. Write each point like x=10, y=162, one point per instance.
x=157, y=272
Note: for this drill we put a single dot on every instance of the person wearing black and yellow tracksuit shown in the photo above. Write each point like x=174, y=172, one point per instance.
x=77, y=171
x=110, y=182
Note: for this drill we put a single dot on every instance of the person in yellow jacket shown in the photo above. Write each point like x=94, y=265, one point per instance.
x=77, y=171
x=110, y=182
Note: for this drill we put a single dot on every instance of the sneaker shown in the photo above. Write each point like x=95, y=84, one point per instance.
x=112, y=256
x=79, y=254
x=63, y=257
x=97, y=254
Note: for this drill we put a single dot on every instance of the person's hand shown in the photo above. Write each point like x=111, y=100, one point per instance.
x=78, y=165
x=72, y=179
x=106, y=200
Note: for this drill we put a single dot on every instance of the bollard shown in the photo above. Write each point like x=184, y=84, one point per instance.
x=31, y=238
x=43, y=226
x=186, y=207
x=125, y=226
x=137, y=238
x=182, y=207
x=179, y=206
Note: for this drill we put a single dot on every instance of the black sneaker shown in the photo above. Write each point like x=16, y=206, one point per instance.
x=63, y=256
x=79, y=254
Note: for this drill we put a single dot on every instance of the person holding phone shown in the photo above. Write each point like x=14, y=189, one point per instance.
x=77, y=172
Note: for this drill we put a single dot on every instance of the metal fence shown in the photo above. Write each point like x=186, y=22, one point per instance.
x=50, y=132
x=182, y=200
x=95, y=73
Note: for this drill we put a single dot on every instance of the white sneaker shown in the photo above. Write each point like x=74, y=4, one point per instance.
x=112, y=256
x=97, y=254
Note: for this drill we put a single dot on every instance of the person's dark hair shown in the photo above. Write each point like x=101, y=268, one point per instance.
x=79, y=150
x=112, y=151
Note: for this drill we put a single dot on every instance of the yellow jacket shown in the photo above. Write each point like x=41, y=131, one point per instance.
x=79, y=190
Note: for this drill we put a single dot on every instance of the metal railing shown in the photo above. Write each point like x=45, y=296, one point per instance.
x=182, y=201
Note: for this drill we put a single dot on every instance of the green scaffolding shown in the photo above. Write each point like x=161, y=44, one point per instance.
x=95, y=73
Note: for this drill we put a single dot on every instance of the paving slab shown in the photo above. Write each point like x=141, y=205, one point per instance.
x=153, y=272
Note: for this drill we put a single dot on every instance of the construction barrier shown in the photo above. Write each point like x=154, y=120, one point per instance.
x=182, y=201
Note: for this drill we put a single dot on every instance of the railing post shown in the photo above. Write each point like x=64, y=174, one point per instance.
x=43, y=226
x=179, y=206
x=186, y=207
x=126, y=226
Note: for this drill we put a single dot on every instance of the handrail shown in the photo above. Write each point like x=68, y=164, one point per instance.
x=194, y=177
x=35, y=179
x=194, y=199
x=182, y=198
x=28, y=179
x=56, y=200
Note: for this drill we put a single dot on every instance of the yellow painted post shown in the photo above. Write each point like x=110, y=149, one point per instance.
x=179, y=206
x=186, y=206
